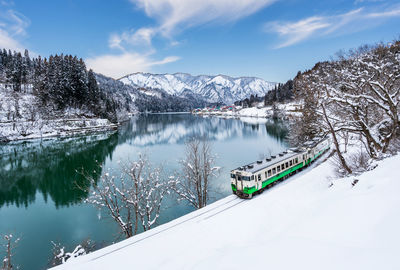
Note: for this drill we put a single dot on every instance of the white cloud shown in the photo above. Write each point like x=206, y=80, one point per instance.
x=172, y=16
x=298, y=31
x=317, y=26
x=176, y=15
x=8, y=42
x=385, y=14
x=12, y=28
x=120, y=65
x=139, y=38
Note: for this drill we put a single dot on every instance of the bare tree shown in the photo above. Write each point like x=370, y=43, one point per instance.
x=10, y=245
x=335, y=140
x=320, y=116
x=369, y=87
x=197, y=170
x=133, y=198
x=357, y=96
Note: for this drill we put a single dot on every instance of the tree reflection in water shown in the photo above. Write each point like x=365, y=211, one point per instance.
x=50, y=167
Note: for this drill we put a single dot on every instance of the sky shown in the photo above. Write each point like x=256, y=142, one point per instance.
x=270, y=39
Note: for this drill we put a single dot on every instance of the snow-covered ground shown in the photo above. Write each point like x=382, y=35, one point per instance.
x=310, y=221
x=20, y=119
x=287, y=110
x=26, y=130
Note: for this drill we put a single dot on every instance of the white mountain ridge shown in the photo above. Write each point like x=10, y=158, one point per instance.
x=219, y=88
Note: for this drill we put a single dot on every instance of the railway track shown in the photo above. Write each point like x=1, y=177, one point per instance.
x=220, y=208
x=203, y=214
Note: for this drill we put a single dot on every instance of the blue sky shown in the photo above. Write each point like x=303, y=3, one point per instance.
x=270, y=39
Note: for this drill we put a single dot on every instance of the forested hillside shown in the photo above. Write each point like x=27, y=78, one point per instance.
x=62, y=83
x=281, y=92
x=58, y=83
x=57, y=95
x=355, y=99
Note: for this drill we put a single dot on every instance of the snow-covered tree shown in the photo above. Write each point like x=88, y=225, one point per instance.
x=197, y=170
x=9, y=247
x=369, y=88
x=133, y=198
x=357, y=95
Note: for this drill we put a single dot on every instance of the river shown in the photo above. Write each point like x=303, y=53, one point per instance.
x=40, y=201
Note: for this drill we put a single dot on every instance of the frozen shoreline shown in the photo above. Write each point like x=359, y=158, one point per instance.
x=286, y=110
x=29, y=130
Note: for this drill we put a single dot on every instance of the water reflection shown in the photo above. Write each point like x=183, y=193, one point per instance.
x=50, y=167
x=147, y=130
x=47, y=169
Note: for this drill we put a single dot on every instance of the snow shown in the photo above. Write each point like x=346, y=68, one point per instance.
x=288, y=109
x=30, y=126
x=310, y=221
x=218, y=88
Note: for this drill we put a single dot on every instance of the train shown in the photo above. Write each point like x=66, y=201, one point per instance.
x=255, y=177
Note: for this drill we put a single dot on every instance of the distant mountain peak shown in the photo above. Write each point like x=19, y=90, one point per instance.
x=217, y=88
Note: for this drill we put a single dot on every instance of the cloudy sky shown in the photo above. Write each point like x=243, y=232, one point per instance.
x=271, y=39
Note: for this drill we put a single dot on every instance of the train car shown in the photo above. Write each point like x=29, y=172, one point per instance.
x=255, y=177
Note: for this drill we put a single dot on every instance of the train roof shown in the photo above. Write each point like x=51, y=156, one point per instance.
x=267, y=162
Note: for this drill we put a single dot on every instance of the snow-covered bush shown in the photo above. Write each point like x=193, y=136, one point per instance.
x=61, y=256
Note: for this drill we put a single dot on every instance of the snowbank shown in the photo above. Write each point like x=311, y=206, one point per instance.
x=308, y=222
x=20, y=119
x=25, y=130
x=286, y=110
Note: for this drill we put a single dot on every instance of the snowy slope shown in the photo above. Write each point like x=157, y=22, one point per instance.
x=303, y=223
x=218, y=88
x=32, y=124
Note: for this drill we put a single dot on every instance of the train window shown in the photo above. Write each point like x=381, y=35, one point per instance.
x=287, y=164
x=274, y=171
x=239, y=178
x=252, y=177
x=246, y=178
x=290, y=163
x=297, y=160
x=266, y=174
x=269, y=173
x=233, y=175
x=259, y=177
x=278, y=168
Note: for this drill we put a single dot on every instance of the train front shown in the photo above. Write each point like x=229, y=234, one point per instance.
x=242, y=183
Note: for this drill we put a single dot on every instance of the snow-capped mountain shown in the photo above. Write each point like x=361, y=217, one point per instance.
x=218, y=88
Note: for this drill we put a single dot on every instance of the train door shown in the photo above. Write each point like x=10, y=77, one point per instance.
x=239, y=182
x=259, y=182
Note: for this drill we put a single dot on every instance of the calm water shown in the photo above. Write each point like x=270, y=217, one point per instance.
x=39, y=198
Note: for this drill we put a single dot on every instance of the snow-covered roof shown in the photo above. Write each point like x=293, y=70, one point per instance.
x=267, y=162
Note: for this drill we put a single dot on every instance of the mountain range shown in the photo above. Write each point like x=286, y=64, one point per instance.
x=212, y=89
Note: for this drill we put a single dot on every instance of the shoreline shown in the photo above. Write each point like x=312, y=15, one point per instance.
x=57, y=128
x=283, y=111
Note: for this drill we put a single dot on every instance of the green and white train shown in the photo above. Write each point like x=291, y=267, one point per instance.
x=255, y=177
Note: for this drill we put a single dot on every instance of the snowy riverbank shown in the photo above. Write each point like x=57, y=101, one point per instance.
x=26, y=130
x=286, y=110
x=21, y=118
x=310, y=221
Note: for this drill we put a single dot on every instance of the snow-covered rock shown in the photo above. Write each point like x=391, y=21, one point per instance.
x=218, y=88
